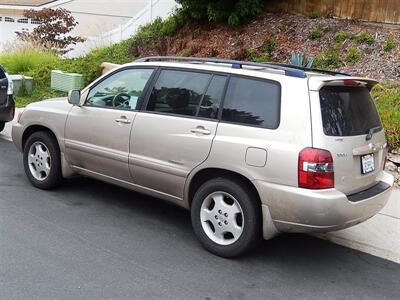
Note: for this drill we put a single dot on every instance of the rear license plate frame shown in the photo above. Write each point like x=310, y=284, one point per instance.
x=367, y=163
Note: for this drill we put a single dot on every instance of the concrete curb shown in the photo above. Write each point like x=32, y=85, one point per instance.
x=378, y=236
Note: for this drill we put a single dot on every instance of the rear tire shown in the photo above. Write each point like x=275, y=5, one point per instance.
x=2, y=125
x=42, y=160
x=226, y=217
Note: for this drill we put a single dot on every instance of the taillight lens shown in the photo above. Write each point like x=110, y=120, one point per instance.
x=315, y=169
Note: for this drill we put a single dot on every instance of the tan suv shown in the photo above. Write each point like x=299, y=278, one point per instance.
x=252, y=149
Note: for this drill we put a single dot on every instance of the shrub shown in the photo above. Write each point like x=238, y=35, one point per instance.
x=364, y=38
x=159, y=28
x=387, y=99
x=390, y=43
x=353, y=55
x=54, y=29
x=233, y=12
x=25, y=58
x=313, y=15
x=264, y=53
x=316, y=33
x=329, y=59
x=340, y=37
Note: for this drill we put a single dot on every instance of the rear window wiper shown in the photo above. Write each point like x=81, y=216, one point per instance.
x=371, y=131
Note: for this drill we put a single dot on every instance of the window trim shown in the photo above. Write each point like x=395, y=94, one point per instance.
x=277, y=83
x=140, y=99
x=157, y=75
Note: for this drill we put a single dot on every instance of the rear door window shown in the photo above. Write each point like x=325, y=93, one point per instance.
x=348, y=111
x=252, y=102
x=178, y=92
x=212, y=98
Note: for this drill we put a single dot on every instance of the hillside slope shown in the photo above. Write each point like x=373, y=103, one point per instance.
x=359, y=48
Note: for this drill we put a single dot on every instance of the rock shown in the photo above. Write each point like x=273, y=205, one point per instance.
x=391, y=167
x=394, y=158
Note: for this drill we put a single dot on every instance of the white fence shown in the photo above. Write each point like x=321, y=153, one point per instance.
x=156, y=8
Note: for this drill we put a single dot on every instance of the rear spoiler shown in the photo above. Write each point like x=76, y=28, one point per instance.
x=315, y=83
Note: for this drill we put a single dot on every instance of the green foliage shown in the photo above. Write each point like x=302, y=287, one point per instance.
x=160, y=28
x=39, y=94
x=353, y=55
x=329, y=59
x=26, y=58
x=264, y=53
x=187, y=52
x=233, y=12
x=313, y=15
x=387, y=99
x=268, y=47
x=300, y=60
x=341, y=36
x=252, y=55
x=390, y=43
x=364, y=38
x=316, y=33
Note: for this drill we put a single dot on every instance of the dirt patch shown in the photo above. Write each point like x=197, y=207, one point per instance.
x=285, y=34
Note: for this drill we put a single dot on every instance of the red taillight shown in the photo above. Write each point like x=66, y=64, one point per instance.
x=315, y=169
x=350, y=82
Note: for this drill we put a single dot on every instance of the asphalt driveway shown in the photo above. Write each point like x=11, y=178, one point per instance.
x=90, y=240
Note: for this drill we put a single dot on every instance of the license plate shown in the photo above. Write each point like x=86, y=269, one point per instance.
x=367, y=163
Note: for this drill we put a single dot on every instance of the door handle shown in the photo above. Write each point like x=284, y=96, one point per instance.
x=200, y=130
x=123, y=120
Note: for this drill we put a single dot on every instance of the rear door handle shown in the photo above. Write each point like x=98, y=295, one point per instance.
x=123, y=120
x=200, y=130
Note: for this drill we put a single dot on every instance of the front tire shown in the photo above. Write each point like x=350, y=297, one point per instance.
x=42, y=162
x=2, y=125
x=226, y=217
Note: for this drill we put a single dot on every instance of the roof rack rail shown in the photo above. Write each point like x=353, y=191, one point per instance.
x=236, y=64
x=289, y=70
x=312, y=70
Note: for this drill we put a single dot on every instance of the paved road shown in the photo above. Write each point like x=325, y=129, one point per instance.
x=89, y=240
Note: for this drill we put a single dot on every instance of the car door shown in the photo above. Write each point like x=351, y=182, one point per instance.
x=174, y=133
x=97, y=133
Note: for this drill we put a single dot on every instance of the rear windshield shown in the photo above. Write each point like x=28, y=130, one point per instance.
x=348, y=111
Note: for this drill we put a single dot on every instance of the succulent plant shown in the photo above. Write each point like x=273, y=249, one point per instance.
x=300, y=60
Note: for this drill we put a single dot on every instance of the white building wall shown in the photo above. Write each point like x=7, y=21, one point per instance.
x=155, y=8
x=9, y=25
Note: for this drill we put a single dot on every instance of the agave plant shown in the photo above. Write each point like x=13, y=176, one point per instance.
x=300, y=60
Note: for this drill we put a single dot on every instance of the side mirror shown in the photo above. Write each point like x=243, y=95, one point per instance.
x=74, y=97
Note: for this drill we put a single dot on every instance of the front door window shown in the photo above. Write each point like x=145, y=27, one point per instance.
x=121, y=90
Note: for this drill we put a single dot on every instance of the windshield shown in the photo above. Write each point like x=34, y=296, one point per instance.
x=348, y=111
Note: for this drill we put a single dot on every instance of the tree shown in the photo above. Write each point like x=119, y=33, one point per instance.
x=234, y=12
x=54, y=29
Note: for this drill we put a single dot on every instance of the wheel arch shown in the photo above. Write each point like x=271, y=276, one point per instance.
x=203, y=175
x=66, y=170
x=36, y=128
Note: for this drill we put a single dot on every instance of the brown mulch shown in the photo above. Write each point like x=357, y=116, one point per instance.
x=291, y=34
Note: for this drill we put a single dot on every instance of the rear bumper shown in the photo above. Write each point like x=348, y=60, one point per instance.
x=295, y=209
x=7, y=110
